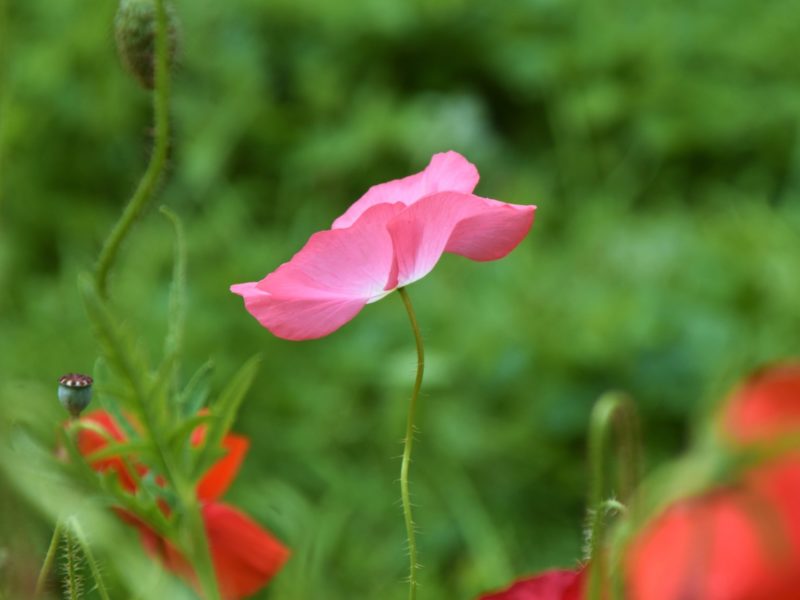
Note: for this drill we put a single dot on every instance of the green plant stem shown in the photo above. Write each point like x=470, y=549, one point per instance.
x=408, y=446
x=49, y=558
x=196, y=547
x=612, y=410
x=158, y=159
x=73, y=584
x=97, y=575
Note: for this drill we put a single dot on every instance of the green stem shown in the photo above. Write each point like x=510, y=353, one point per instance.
x=47, y=565
x=83, y=542
x=612, y=410
x=155, y=169
x=197, y=549
x=73, y=585
x=407, y=447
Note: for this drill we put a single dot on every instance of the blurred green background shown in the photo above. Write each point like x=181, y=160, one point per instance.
x=660, y=141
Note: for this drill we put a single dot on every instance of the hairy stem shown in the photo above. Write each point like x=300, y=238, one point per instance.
x=158, y=159
x=614, y=410
x=49, y=558
x=408, y=446
x=73, y=582
x=83, y=542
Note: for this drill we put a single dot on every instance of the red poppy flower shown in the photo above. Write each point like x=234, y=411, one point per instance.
x=740, y=542
x=392, y=236
x=766, y=405
x=736, y=543
x=558, y=584
x=91, y=441
x=245, y=556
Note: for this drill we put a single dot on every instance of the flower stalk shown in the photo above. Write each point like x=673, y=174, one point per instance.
x=408, y=446
x=613, y=411
x=148, y=184
x=49, y=558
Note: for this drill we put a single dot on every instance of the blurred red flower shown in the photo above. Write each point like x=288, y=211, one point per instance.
x=557, y=584
x=766, y=405
x=245, y=556
x=741, y=541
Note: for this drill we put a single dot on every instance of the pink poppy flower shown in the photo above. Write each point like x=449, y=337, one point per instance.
x=391, y=237
x=557, y=584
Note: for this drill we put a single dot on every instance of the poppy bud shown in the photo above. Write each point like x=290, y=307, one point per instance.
x=135, y=30
x=75, y=392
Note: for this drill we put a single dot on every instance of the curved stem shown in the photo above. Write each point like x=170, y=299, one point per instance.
x=158, y=159
x=613, y=410
x=47, y=565
x=407, y=447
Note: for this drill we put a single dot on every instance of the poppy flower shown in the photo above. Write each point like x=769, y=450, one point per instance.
x=391, y=237
x=736, y=542
x=557, y=584
x=245, y=556
x=766, y=405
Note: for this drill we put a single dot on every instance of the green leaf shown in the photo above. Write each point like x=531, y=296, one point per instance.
x=139, y=448
x=195, y=394
x=224, y=412
x=160, y=386
x=173, y=342
x=179, y=438
x=121, y=355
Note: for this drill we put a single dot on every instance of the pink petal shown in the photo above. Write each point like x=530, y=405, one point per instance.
x=447, y=171
x=328, y=281
x=477, y=228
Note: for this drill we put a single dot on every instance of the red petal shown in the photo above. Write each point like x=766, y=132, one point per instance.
x=245, y=556
x=766, y=405
x=219, y=477
x=741, y=542
x=90, y=441
x=551, y=585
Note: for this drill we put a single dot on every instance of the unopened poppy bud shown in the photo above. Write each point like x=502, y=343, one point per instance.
x=75, y=392
x=135, y=30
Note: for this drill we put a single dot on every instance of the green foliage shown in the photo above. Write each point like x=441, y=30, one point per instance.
x=660, y=140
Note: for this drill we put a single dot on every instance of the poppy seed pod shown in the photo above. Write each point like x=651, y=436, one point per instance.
x=75, y=392
x=135, y=31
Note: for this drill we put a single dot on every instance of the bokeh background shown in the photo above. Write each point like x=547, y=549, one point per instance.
x=660, y=141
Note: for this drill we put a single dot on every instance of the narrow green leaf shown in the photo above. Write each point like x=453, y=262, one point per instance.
x=224, y=412
x=179, y=438
x=160, y=387
x=117, y=350
x=195, y=394
x=177, y=297
x=139, y=448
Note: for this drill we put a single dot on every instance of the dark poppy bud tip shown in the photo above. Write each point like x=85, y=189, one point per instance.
x=74, y=392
